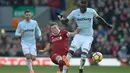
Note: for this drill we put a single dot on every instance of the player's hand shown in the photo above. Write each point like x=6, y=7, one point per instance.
x=109, y=26
x=40, y=39
x=62, y=19
x=77, y=30
x=21, y=32
x=41, y=51
x=60, y=16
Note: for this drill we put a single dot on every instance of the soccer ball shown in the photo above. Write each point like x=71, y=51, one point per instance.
x=97, y=57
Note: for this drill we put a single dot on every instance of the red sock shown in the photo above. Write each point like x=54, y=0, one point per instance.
x=61, y=62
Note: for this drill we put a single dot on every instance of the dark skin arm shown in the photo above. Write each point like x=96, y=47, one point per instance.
x=99, y=18
x=102, y=21
x=64, y=21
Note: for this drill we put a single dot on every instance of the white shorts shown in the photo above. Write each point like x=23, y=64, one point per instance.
x=29, y=49
x=83, y=42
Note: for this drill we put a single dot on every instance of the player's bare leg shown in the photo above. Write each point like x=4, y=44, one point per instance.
x=29, y=64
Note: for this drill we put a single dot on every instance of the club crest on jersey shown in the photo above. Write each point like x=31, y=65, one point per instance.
x=56, y=39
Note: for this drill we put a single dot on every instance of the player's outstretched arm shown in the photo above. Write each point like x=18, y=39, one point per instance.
x=71, y=34
x=101, y=20
x=47, y=48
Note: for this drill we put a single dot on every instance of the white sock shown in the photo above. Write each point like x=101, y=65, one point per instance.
x=82, y=63
x=65, y=68
x=29, y=64
x=69, y=56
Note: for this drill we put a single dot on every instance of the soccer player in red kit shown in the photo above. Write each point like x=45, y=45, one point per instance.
x=60, y=46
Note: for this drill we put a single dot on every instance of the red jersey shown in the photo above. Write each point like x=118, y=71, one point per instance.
x=59, y=42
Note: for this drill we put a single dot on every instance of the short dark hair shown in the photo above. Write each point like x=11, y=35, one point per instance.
x=27, y=11
x=52, y=23
x=83, y=1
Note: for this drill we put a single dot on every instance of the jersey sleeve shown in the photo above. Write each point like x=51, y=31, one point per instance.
x=71, y=16
x=38, y=31
x=17, y=32
x=95, y=13
x=65, y=33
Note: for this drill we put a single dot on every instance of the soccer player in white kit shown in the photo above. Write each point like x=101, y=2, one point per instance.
x=26, y=30
x=84, y=20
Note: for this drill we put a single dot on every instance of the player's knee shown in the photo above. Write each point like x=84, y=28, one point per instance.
x=71, y=52
x=33, y=58
x=58, y=57
x=28, y=56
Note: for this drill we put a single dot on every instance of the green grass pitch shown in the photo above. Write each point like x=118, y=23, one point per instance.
x=72, y=69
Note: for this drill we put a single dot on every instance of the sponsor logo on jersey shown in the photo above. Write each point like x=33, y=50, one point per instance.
x=29, y=30
x=84, y=19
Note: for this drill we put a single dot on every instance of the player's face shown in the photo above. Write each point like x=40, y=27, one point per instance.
x=28, y=15
x=83, y=6
x=55, y=29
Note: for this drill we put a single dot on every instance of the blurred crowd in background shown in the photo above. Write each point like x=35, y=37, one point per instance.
x=53, y=3
x=113, y=43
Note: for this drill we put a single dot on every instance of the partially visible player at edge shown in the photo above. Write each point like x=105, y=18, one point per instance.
x=60, y=46
x=26, y=30
x=84, y=20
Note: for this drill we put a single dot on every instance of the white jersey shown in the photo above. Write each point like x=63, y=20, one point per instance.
x=84, y=20
x=30, y=29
